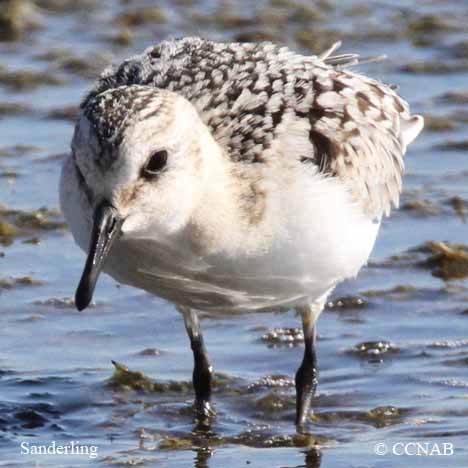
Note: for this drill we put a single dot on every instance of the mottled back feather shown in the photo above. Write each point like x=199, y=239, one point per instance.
x=244, y=91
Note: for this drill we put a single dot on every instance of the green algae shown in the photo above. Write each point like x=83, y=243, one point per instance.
x=140, y=16
x=435, y=67
x=399, y=292
x=454, y=97
x=69, y=113
x=379, y=417
x=16, y=18
x=8, y=109
x=15, y=224
x=446, y=261
x=27, y=80
x=17, y=150
x=13, y=282
x=273, y=402
x=459, y=206
x=124, y=379
x=439, y=123
x=122, y=38
x=430, y=24
x=453, y=145
x=421, y=207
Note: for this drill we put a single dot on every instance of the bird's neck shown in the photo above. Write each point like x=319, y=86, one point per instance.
x=219, y=220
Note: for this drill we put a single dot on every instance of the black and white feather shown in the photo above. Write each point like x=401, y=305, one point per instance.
x=249, y=95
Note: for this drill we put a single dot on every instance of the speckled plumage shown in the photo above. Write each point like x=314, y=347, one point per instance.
x=249, y=95
x=110, y=113
x=233, y=178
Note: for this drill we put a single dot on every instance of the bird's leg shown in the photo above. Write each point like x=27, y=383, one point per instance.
x=307, y=374
x=202, y=370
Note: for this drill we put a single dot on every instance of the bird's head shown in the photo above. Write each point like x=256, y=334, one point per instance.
x=138, y=152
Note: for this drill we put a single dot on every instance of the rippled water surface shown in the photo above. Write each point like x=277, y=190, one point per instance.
x=393, y=344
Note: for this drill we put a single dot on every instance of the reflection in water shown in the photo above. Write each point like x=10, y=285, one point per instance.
x=313, y=458
x=202, y=455
x=204, y=439
x=202, y=425
x=202, y=431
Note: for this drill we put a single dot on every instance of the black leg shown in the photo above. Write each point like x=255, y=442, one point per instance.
x=307, y=374
x=202, y=370
x=202, y=375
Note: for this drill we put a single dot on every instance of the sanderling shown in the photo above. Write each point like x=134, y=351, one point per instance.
x=234, y=178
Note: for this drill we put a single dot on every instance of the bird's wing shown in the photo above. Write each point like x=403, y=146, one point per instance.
x=360, y=129
x=248, y=94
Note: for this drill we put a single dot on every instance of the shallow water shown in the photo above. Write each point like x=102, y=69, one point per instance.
x=393, y=353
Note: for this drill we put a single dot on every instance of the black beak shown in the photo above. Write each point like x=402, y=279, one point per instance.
x=106, y=229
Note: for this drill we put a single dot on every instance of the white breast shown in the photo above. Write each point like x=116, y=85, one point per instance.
x=322, y=238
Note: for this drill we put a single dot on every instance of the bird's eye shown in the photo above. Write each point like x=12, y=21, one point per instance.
x=156, y=164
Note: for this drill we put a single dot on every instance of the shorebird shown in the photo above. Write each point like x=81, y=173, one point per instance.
x=234, y=177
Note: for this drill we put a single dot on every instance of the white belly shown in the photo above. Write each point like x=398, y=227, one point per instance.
x=328, y=240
